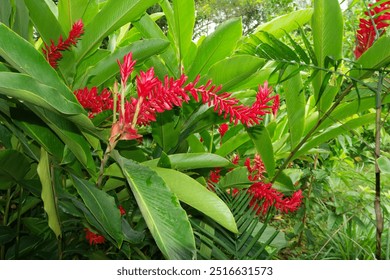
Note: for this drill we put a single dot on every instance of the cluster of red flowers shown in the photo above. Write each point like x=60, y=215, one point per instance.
x=94, y=102
x=374, y=26
x=53, y=52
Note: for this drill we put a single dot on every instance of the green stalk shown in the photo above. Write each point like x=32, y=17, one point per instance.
x=5, y=219
x=377, y=202
x=18, y=223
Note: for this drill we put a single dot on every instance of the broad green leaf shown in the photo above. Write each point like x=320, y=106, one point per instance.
x=295, y=103
x=69, y=11
x=29, y=203
x=232, y=144
x=25, y=88
x=107, y=67
x=235, y=178
x=5, y=12
x=102, y=206
x=286, y=23
x=112, y=16
x=70, y=135
x=262, y=141
x=215, y=47
x=48, y=194
x=333, y=132
x=197, y=196
x=39, y=131
x=181, y=20
x=149, y=29
x=376, y=57
x=165, y=131
x=21, y=24
x=45, y=21
x=384, y=164
x=166, y=220
x=193, y=161
x=13, y=167
x=328, y=26
x=232, y=71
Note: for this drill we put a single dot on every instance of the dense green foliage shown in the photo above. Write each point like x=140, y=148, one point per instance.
x=64, y=175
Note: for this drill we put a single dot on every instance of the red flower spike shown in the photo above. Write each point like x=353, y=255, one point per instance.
x=235, y=159
x=93, y=102
x=122, y=210
x=256, y=169
x=93, y=238
x=222, y=129
x=53, y=52
x=127, y=67
x=366, y=34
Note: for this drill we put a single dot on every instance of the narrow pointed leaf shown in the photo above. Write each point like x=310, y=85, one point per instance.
x=48, y=195
x=103, y=208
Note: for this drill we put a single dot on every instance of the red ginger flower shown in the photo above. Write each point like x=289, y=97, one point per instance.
x=378, y=21
x=256, y=169
x=264, y=197
x=53, y=53
x=94, y=238
x=122, y=210
x=222, y=129
x=127, y=67
x=92, y=101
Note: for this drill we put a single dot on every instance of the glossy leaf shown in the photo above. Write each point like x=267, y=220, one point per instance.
x=232, y=144
x=181, y=20
x=166, y=220
x=328, y=26
x=377, y=56
x=198, y=196
x=69, y=11
x=232, y=71
x=286, y=23
x=262, y=141
x=193, y=161
x=112, y=16
x=332, y=133
x=108, y=67
x=295, y=103
x=217, y=46
x=48, y=194
x=45, y=21
x=103, y=208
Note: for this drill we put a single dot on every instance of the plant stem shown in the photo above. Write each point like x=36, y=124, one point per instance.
x=377, y=202
x=17, y=244
x=312, y=131
x=5, y=219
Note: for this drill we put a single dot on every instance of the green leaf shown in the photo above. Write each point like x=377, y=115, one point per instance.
x=112, y=16
x=197, y=196
x=193, y=161
x=328, y=26
x=21, y=24
x=231, y=71
x=181, y=21
x=232, y=144
x=295, y=103
x=103, y=208
x=13, y=167
x=166, y=220
x=7, y=234
x=69, y=11
x=333, y=132
x=106, y=68
x=25, y=88
x=45, y=21
x=384, y=164
x=235, y=178
x=48, y=194
x=262, y=141
x=286, y=23
x=149, y=29
x=376, y=57
x=217, y=46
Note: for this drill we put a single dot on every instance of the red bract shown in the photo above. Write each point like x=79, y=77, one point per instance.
x=94, y=238
x=264, y=197
x=122, y=210
x=222, y=129
x=93, y=102
x=256, y=169
x=379, y=18
x=53, y=52
x=126, y=68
